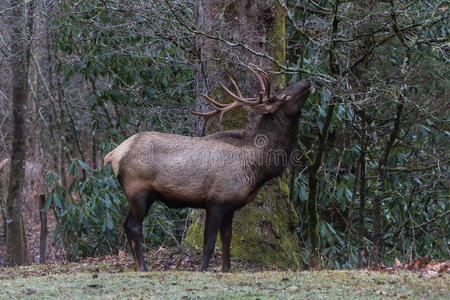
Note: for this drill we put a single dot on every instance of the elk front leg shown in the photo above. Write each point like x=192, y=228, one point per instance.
x=225, y=237
x=214, y=216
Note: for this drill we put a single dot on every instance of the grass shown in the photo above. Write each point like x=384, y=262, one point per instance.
x=74, y=282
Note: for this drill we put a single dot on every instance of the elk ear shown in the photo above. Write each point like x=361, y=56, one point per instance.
x=292, y=106
x=269, y=106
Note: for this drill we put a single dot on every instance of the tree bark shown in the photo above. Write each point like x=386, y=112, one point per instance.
x=44, y=229
x=381, y=181
x=263, y=231
x=15, y=233
x=35, y=149
x=2, y=211
x=313, y=193
x=362, y=190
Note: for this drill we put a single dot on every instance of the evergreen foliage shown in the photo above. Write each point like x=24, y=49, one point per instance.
x=381, y=71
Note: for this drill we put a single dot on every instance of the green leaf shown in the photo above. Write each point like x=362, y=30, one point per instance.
x=348, y=194
x=321, y=111
x=83, y=165
x=73, y=169
x=109, y=221
x=48, y=202
x=303, y=193
x=330, y=228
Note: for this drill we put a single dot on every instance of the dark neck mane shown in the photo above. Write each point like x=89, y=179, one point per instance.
x=274, y=139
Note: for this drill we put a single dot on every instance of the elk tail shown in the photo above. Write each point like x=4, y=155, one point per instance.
x=116, y=155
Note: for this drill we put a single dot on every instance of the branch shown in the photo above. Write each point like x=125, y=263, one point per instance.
x=322, y=77
x=433, y=219
x=395, y=27
x=14, y=7
x=415, y=169
x=289, y=15
x=321, y=11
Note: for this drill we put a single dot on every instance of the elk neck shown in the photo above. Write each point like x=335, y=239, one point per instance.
x=274, y=140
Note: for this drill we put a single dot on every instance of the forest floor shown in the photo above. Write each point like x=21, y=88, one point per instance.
x=173, y=276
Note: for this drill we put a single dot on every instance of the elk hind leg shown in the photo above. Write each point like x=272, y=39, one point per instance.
x=138, y=208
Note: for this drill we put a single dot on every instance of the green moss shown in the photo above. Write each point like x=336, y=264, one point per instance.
x=194, y=235
x=284, y=187
x=276, y=36
x=264, y=230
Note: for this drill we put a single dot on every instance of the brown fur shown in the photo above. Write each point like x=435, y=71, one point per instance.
x=220, y=172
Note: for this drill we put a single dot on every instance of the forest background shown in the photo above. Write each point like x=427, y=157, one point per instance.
x=79, y=77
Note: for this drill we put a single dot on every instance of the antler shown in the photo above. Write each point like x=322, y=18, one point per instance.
x=263, y=78
x=220, y=108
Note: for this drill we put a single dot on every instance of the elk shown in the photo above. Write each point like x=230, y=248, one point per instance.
x=220, y=172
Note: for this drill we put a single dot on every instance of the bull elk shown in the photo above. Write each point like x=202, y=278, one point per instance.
x=220, y=172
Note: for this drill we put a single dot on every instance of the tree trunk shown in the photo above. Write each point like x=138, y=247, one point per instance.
x=44, y=229
x=37, y=182
x=381, y=181
x=314, y=168
x=313, y=182
x=362, y=190
x=2, y=211
x=15, y=233
x=264, y=230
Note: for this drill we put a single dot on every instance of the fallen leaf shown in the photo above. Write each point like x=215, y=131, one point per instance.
x=397, y=263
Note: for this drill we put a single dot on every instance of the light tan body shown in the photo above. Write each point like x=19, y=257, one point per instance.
x=179, y=167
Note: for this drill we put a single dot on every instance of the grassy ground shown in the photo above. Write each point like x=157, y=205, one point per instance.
x=78, y=282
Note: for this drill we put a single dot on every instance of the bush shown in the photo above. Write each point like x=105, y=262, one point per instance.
x=90, y=212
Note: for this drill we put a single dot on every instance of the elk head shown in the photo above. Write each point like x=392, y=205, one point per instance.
x=288, y=100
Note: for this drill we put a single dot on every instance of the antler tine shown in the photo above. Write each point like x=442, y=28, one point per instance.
x=261, y=81
x=235, y=86
x=262, y=77
x=246, y=101
x=218, y=108
x=205, y=115
x=228, y=108
x=217, y=105
x=265, y=77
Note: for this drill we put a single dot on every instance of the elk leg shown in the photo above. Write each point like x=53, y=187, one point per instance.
x=225, y=237
x=214, y=216
x=139, y=207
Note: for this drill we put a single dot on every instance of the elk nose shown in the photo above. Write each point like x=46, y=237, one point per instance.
x=308, y=84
